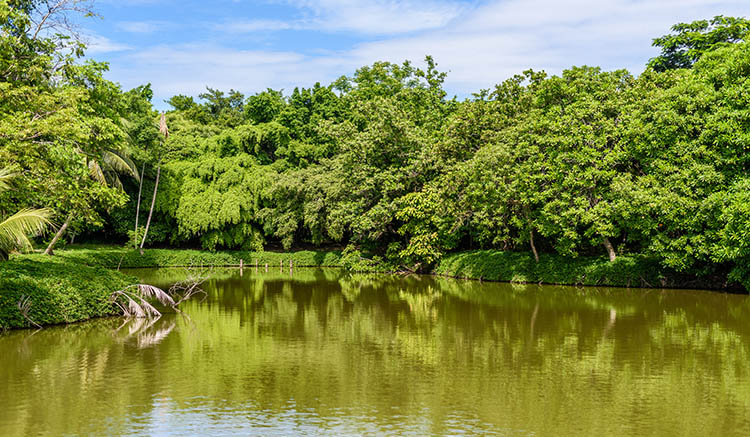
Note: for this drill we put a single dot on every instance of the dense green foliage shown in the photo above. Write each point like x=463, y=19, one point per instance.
x=689, y=41
x=59, y=291
x=625, y=271
x=585, y=164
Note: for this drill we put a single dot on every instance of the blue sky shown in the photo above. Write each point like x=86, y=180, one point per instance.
x=182, y=46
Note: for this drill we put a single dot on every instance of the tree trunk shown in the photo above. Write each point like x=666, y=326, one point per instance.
x=610, y=249
x=138, y=208
x=533, y=247
x=59, y=234
x=151, y=211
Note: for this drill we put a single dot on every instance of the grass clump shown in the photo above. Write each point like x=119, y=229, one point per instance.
x=56, y=291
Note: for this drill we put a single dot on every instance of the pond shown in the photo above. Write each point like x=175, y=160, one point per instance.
x=321, y=351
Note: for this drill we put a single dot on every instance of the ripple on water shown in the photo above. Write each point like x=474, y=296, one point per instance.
x=323, y=352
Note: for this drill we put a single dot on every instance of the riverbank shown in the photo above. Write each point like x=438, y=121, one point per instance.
x=625, y=271
x=76, y=283
x=58, y=291
x=113, y=257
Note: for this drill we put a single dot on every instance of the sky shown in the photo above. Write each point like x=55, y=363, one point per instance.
x=182, y=46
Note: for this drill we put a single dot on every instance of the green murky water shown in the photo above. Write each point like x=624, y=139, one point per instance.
x=324, y=352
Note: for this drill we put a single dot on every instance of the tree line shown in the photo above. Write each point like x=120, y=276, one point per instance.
x=383, y=162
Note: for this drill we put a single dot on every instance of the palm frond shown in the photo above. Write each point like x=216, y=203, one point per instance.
x=116, y=182
x=120, y=163
x=149, y=291
x=163, y=126
x=6, y=174
x=16, y=229
x=96, y=172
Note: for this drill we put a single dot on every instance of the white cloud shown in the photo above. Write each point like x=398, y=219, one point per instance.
x=373, y=17
x=143, y=27
x=249, y=26
x=382, y=17
x=97, y=44
x=479, y=46
x=189, y=68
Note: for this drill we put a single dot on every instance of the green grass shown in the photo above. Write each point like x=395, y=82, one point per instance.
x=625, y=271
x=60, y=291
x=114, y=257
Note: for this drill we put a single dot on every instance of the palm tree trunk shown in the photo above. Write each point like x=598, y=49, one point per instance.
x=533, y=246
x=138, y=208
x=610, y=249
x=59, y=234
x=151, y=211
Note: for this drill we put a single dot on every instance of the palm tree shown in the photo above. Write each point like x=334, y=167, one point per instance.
x=164, y=130
x=16, y=229
x=106, y=171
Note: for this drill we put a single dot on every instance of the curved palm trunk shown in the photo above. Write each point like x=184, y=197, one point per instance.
x=610, y=249
x=59, y=234
x=533, y=246
x=151, y=211
x=138, y=208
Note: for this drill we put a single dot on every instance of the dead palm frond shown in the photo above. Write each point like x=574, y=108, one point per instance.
x=163, y=129
x=133, y=301
x=149, y=291
x=24, y=306
x=152, y=337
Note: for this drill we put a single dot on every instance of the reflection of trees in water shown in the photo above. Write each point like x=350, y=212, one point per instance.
x=550, y=338
x=504, y=354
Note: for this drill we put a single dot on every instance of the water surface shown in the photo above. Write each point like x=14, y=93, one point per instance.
x=325, y=352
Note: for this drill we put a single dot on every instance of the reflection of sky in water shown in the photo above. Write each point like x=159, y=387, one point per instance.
x=325, y=352
x=200, y=417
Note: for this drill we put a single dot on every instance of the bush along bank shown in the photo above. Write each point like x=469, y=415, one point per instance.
x=114, y=258
x=625, y=271
x=56, y=291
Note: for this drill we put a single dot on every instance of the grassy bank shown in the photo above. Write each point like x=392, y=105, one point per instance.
x=625, y=271
x=60, y=291
x=114, y=257
x=75, y=284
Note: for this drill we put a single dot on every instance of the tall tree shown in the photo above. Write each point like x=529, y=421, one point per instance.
x=689, y=41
